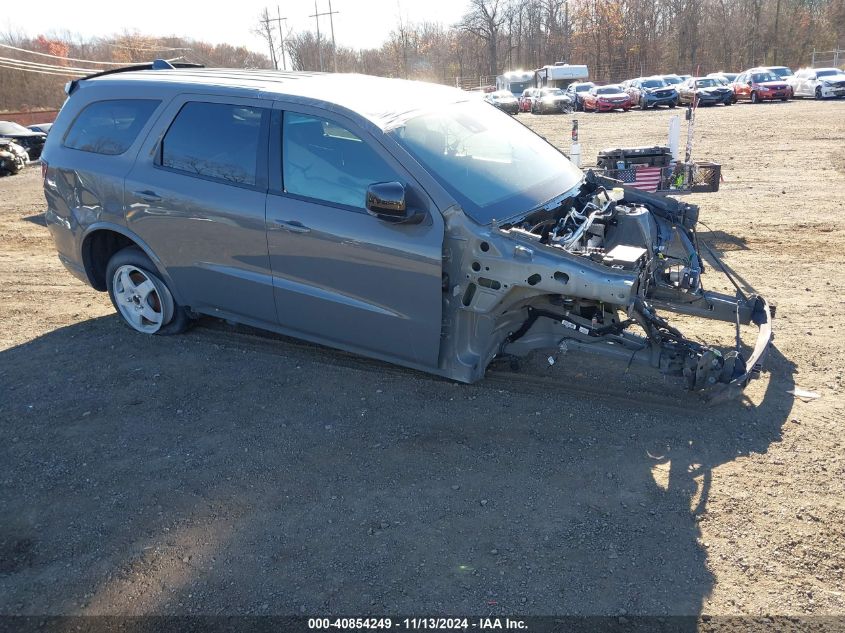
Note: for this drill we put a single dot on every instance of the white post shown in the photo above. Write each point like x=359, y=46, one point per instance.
x=575, y=148
x=674, y=136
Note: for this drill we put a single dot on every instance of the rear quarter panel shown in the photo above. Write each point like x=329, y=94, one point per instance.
x=81, y=188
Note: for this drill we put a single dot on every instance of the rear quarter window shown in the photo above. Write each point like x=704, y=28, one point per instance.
x=109, y=127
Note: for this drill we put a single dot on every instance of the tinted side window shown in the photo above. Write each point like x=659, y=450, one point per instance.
x=109, y=127
x=215, y=140
x=324, y=160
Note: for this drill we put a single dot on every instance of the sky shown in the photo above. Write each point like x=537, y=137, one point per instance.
x=359, y=23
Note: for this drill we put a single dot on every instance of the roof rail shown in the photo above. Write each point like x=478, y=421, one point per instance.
x=158, y=64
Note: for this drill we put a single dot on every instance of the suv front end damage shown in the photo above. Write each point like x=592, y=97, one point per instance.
x=589, y=271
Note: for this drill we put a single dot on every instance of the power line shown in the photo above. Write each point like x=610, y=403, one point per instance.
x=29, y=64
x=149, y=50
x=70, y=59
x=41, y=72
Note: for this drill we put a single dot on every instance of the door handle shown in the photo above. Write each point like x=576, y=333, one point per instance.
x=293, y=226
x=147, y=196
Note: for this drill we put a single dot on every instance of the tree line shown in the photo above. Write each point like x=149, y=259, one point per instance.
x=617, y=39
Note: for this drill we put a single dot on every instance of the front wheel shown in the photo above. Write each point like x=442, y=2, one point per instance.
x=755, y=98
x=818, y=93
x=643, y=104
x=673, y=104
x=141, y=297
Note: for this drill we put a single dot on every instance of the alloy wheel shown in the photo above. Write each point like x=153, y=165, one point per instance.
x=139, y=299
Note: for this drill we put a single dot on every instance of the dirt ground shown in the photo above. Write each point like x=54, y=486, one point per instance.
x=225, y=472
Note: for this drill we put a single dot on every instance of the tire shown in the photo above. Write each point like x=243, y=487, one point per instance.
x=729, y=102
x=643, y=104
x=673, y=104
x=818, y=93
x=755, y=98
x=141, y=297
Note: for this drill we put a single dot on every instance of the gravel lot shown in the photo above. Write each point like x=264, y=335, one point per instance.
x=228, y=472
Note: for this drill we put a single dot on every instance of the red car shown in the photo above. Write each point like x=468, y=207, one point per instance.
x=526, y=99
x=606, y=98
x=759, y=84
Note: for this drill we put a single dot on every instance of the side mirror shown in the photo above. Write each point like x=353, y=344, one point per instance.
x=386, y=201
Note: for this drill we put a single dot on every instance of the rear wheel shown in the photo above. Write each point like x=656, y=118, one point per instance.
x=141, y=297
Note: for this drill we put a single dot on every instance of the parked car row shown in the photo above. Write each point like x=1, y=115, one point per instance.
x=765, y=83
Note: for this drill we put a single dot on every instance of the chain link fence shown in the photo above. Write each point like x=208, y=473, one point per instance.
x=835, y=58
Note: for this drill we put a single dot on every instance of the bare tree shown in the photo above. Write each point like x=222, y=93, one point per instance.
x=484, y=20
x=265, y=31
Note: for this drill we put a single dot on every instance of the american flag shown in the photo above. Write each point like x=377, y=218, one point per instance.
x=645, y=178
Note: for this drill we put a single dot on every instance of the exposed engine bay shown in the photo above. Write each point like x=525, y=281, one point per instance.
x=591, y=270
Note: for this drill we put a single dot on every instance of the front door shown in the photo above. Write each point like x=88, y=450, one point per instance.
x=340, y=275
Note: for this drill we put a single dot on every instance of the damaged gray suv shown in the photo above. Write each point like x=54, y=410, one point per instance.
x=428, y=229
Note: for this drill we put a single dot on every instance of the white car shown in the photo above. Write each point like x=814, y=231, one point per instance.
x=818, y=83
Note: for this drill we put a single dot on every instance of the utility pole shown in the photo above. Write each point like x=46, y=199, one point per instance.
x=279, y=19
x=316, y=17
x=331, y=23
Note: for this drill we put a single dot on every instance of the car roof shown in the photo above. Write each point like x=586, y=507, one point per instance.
x=398, y=99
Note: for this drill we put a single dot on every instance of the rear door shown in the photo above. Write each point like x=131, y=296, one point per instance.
x=196, y=196
x=340, y=275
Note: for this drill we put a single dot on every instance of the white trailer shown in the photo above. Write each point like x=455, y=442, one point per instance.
x=516, y=81
x=560, y=75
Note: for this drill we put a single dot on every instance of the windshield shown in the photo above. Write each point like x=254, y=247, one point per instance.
x=583, y=87
x=608, y=90
x=759, y=78
x=492, y=165
x=653, y=83
x=518, y=86
x=502, y=94
x=828, y=73
x=9, y=127
x=707, y=83
x=672, y=80
x=782, y=72
x=552, y=91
